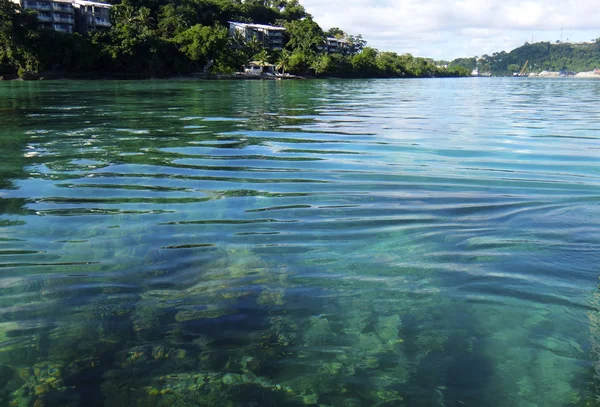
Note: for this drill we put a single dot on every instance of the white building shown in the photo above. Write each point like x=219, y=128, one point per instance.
x=257, y=68
x=92, y=15
x=67, y=16
x=337, y=45
x=270, y=36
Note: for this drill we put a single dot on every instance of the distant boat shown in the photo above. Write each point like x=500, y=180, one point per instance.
x=475, y=72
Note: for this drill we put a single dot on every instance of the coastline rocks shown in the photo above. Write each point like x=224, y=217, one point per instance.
x=40, y=380
x=548, y=74
x=27, y=75
x=591, y=74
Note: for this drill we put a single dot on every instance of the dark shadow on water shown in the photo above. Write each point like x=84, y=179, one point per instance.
x=457, y=375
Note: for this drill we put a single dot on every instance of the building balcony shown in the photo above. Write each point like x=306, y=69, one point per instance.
x=31, y=5
x=63, y=8
x=44, y=18
x=63, y=19
x=62, y=28
x=102, y=22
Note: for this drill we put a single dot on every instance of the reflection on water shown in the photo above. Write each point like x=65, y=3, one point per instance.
x=334, y=243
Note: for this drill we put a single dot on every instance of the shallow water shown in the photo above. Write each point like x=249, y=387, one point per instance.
x=334, y=243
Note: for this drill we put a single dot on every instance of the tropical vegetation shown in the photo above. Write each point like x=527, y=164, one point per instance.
x=157, y=38
x=542, y=56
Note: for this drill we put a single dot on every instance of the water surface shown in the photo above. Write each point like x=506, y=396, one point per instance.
x=333, y=243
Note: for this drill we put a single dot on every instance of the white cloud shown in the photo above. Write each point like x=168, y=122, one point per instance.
x=442, y=29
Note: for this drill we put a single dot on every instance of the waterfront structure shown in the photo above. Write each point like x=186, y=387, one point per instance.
x=68, y=16
x=270, y=36
x=259, y=68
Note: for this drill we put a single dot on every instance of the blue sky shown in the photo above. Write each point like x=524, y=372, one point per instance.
x=450, y=29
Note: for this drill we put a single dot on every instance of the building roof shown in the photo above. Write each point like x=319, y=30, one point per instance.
x=258, y=63
x=342, y=40
x=91, y=3
x=258, y=26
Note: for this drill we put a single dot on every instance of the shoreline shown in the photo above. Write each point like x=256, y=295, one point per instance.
x=13, y=78
x=580, y=75
x=96, y=76
x=193, y=75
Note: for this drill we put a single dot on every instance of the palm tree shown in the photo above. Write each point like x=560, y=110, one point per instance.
x=254, y=46
x=122, y=13
x=262, y=58
x=144, y=17
x=284, y=60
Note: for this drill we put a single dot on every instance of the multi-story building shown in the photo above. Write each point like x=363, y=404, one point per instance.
x=91, y=15
x=337, y=45
x=58, y=15
x=66, y=16
x=270, y=36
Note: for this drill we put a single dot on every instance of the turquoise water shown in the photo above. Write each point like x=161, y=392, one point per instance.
x=332, y=243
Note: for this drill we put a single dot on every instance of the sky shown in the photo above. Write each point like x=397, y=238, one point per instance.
x=442, y=29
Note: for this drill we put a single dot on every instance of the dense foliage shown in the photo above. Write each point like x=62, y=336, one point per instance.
x=168, y=37
x=542, y=56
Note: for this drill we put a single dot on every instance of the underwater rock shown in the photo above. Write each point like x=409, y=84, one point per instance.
x=40, y=389
x=159, y=352
x=209, y=312
x=10, y=380
x=319, y=332
x=230, y=379
x=387, y=328
x=148, y=318
x=271, y=297
x=310, y=399
x=149, y=354
x=43, y=378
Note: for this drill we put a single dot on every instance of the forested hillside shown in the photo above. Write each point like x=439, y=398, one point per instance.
x=157, y=38
x=542, y=56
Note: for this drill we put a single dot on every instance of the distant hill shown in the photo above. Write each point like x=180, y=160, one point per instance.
x=542, y=56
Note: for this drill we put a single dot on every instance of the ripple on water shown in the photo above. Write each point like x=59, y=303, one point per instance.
x=214, y=242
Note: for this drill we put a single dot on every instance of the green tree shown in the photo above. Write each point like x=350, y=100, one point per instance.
x=322, y=64
x=335, y=32
x=364, y=63
x=513, y=68
x=262, y=57
x=202, y=44
x=389, y=64
x=283, y=60
x=18, y=36
x=357, y=43
x=420, y=67
x=293, y=11
x=298, y=63
x=162, y=37
x=305, y=36
x=132, y=46
x=174, y=19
